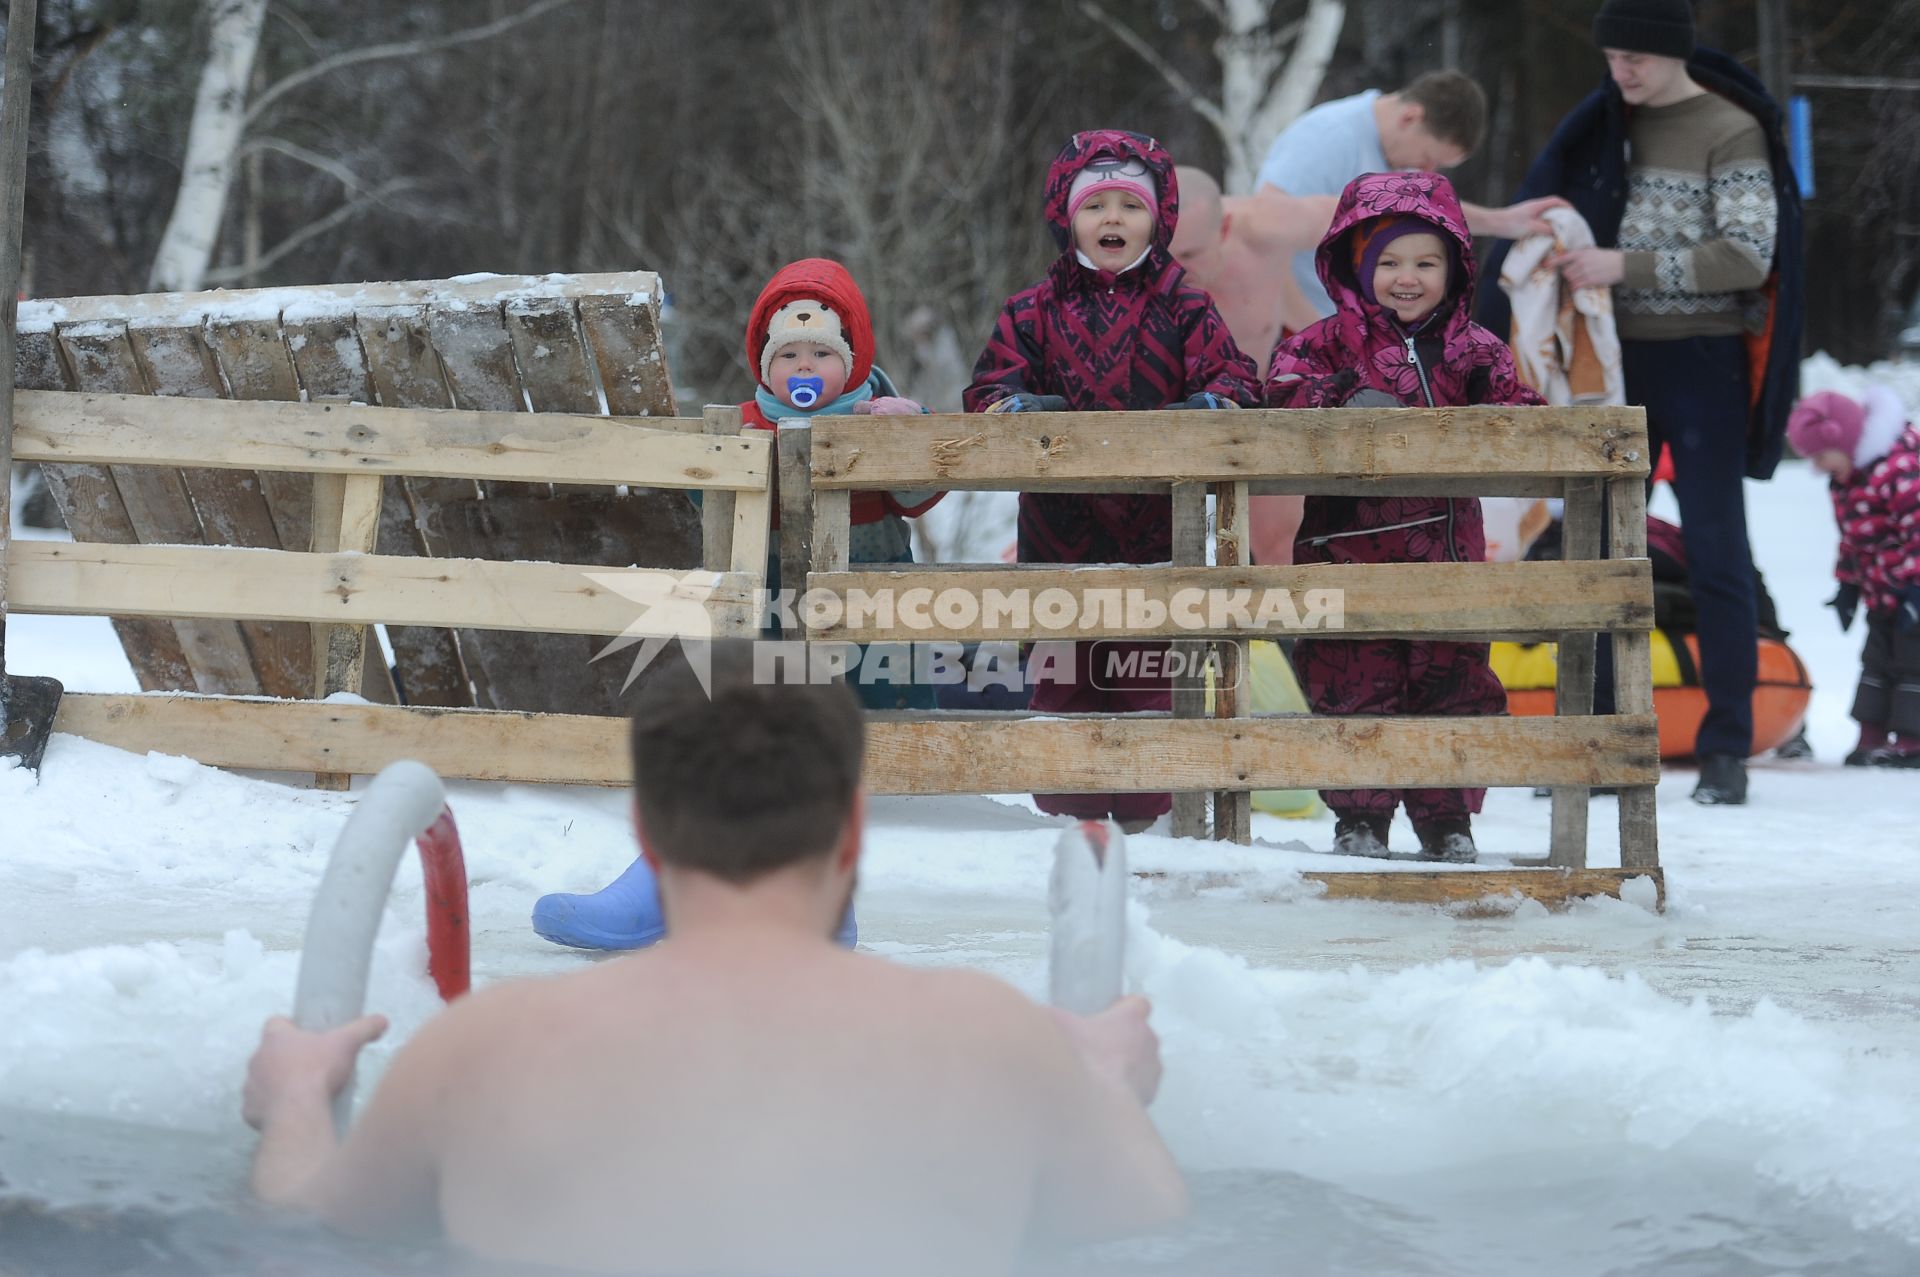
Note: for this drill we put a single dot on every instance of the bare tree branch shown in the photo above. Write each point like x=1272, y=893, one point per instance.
x=326, y=164
x=1206, y=107
x=398, y=49
x=320, y=226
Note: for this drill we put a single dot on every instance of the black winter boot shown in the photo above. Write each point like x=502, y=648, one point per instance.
x=1449, y=838
x=1723, y=781
x=1361, y=835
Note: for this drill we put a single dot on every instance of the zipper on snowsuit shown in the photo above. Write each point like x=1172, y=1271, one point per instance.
x=1426, y=389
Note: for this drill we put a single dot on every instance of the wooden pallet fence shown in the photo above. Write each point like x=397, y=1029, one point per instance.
x=1578, y=454
x=347, y=589
x=586, y=344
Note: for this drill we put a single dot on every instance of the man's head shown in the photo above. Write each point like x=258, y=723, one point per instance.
x=1434, y=123
x=756, y=778
x=1647, y=43
x=1202, y=230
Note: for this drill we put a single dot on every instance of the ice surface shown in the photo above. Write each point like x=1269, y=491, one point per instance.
x=1580, y=1092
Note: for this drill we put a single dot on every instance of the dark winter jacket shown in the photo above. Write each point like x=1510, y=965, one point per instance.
x=1449, y=361
x=1878, y=509
x=1586, y=162
x=1141, y=339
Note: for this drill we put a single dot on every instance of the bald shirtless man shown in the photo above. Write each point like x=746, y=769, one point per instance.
x=1240, y=249
x=747, y=1097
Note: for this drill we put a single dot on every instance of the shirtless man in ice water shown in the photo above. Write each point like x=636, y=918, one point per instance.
x=746, y=1097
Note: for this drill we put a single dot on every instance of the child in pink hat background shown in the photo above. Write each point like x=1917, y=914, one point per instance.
x=1871, y=453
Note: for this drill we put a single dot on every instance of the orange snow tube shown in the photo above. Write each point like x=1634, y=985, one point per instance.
x=1780, y=694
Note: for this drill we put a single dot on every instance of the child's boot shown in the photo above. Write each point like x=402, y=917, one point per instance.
x=1872, y=737
x=1449, y=838
x=1361, y=834
x=624, y=914
x=1902, y=752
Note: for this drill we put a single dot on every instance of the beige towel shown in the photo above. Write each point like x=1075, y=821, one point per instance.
x=1563, y=338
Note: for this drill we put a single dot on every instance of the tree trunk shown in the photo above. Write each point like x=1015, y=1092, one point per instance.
x=219, y=114
x=1291, y=93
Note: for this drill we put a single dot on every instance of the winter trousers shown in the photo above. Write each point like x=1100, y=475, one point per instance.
x=1106, y=677
x=1889, y=693
x=1399, y=676
x=1109, y=677
x=1695, y=393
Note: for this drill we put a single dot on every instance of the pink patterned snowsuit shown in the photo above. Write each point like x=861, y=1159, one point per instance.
x=1878, y=510
x=1447, y=361
x=1141, y=339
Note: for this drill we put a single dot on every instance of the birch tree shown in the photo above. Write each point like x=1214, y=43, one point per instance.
x=1269, y=74
x=213, y=141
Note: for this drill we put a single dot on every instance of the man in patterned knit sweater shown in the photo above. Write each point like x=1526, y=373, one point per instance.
x=1678, y=167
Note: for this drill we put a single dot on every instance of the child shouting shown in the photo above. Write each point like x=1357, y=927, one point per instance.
x=1398, y=262
x=810, y=339
x=1871, y=453
x=1113, y=325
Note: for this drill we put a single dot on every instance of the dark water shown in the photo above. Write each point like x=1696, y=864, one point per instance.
x=82, y=1197
x=1254, y=1224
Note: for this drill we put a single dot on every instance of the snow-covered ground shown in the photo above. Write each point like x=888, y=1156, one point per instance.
x=1726, y=1088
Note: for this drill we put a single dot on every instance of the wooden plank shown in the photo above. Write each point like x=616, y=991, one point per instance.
x=328, y=359
x=1555, y=888
x=430, y=666
x=624, y=335
x=326, y=437
x=332, y=368
x=796, y=508
x=718, y=509
x=89, y=502
x=230, y=504
x=752, y=524
x=1189, y=540
x=256, y=364
x=1466, y=891
x=832, y=517
x=201, y=581
x=1633, y=677
x=630, y=288
x=904, y=755
x=1485, y=485
x=1574, y=661
x=551, y=355
x=1091, y=450
x=346, y=518
x=1065, y=755
x=1384, y=599
x=158, y=506
x=1232, y=809
x=556, y=370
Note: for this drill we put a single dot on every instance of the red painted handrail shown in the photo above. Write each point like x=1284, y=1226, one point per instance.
x=449, y=942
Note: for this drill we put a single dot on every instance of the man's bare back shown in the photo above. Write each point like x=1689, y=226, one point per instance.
x=747, y=1097
x=795, y=1073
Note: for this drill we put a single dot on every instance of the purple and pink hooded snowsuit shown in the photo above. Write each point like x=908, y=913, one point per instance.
x=1141, y=339
x=1447, y=360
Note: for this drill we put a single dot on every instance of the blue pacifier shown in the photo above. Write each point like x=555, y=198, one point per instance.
x=804, y=392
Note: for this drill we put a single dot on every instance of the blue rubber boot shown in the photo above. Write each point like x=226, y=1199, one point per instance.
x=624, y=914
